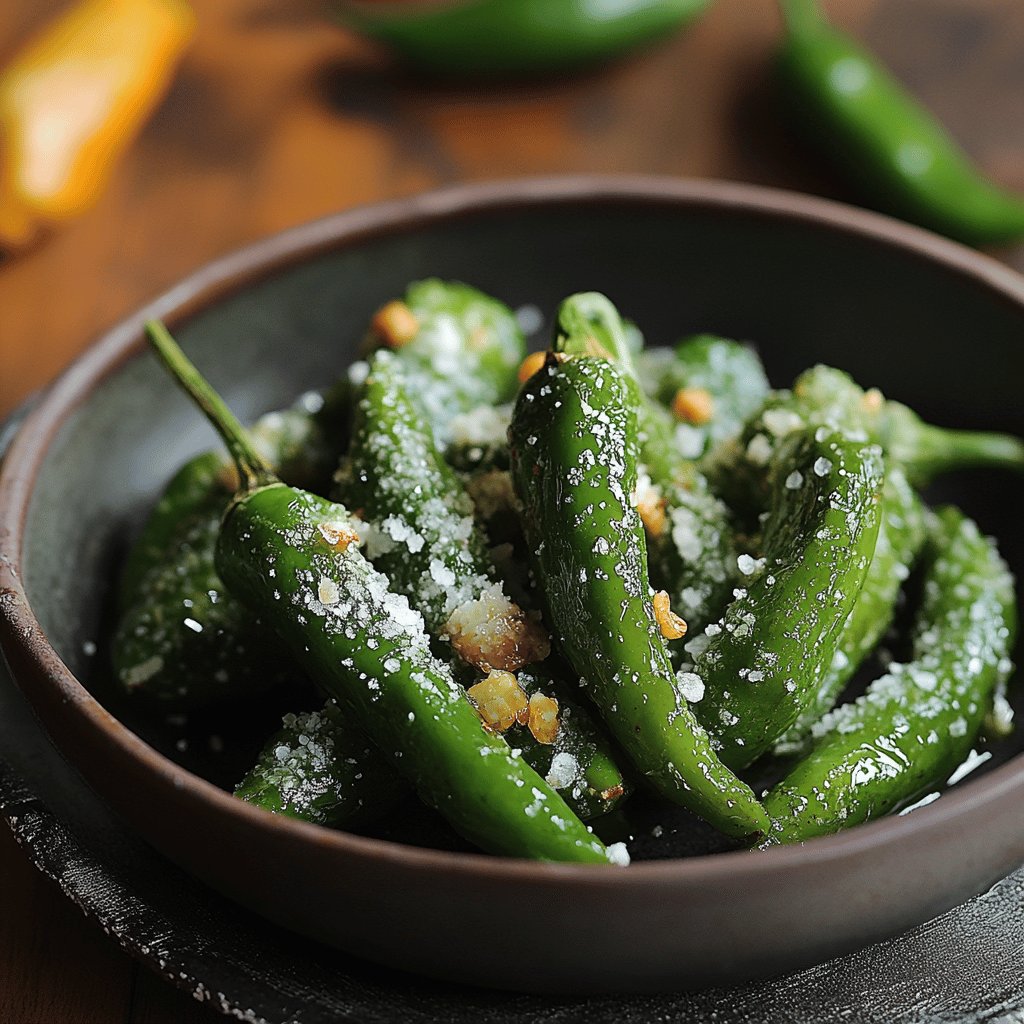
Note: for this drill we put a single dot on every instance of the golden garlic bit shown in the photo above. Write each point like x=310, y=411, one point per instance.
x=693, y=405
x=500, y=701
x=493, y=632
x=543, y=718
x=74, y=99
x=533, y=363
x=338, y=534
x=672, y=626
x=395, y=324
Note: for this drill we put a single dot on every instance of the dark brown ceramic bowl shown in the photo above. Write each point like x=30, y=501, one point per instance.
x=930, y=322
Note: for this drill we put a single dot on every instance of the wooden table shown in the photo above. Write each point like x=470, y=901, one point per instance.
x=278, y=117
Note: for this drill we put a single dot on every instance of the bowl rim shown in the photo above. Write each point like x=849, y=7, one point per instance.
x=22, y=634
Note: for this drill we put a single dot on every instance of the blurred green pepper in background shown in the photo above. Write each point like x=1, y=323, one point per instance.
x=503, y=37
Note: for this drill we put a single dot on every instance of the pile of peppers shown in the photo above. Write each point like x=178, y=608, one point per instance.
x=526, y=587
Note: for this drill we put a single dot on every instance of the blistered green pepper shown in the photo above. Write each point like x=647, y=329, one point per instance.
x=321, y=768
x=901, y=534
x=574, y=450
x=712, y=384
x=829, y=398
x=291, y=557
x=762, y=664
x=917, y=723
x=690, y=535
x=181, y=640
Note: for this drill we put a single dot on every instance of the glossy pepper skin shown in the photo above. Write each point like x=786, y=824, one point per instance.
x=763, y=662
x=916, y=724
x=573, y=445
x=422, y=536
x=495, y=37
x=690, y=533
x=901, y=535
x=182, y=641
x=279, y=551
x=886, y=143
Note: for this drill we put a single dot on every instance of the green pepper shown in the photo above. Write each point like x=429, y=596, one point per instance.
x=762, y=665
x=917, y=723
x=420, y=533
x=690, y=536
x=290, y=556
x=321, y=768
x=885, y=142
x=573, y=444
x=181, y=640
x=460, y=349
x=901, y=534
x=713, y=383
x=496, y=37
x=826, y=397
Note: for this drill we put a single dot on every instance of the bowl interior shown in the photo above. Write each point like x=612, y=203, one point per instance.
x=925, y=332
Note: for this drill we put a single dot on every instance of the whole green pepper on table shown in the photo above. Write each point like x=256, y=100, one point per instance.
x=499, y=37
x=884, y=141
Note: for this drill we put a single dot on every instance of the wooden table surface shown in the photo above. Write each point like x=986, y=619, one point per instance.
x=278, y=117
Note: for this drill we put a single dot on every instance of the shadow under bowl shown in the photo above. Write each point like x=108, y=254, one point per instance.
x=931, y=323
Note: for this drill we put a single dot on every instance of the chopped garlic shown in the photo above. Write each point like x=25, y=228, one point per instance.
x=543, y=720
x=693, y=405
x=499, y=700
x=671, y=625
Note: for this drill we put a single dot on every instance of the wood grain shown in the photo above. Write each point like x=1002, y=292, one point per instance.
x=278, y=116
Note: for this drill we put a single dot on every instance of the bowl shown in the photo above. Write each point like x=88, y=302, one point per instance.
x=932, y=323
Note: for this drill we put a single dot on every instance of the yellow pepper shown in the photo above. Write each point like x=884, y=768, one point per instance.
x=74, y=99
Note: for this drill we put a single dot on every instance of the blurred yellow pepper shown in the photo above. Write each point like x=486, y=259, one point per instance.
x=74, y=99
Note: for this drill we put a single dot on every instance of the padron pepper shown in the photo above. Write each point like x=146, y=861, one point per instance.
x=181, y=640
x=901, y=534
x=460, y=349
x=573, y=444
x=291, y=557
x=711, y=384
x=917, y=723
x=825, y=397
x=762, y=664
x=321, y=768
x=692, y=554
x=421, y=534
x=885, y=142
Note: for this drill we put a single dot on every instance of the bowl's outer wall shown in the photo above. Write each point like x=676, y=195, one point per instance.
x=926, y=333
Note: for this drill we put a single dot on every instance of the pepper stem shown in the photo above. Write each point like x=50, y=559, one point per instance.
x=939, y=449
x=589, y=325
x=253, y=471
x=800, y=15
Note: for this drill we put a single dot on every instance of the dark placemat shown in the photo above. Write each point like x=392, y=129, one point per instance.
x=966, y=966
